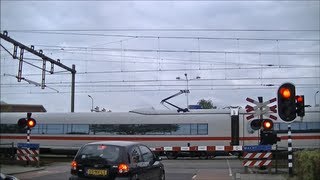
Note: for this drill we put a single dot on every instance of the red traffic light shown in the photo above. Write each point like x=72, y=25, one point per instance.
x=300, y=105
x=300, y=99
x=31, y=122
x=267, y=124
x=285, y=92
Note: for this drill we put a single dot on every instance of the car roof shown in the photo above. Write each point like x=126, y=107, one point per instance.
x=116, y=143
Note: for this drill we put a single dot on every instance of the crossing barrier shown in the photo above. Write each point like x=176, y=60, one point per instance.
x=197, y=148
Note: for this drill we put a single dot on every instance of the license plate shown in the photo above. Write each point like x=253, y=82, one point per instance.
x=97, y=172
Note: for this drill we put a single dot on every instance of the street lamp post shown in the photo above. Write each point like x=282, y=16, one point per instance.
x=91, y=103
x=187, y=80
x=186, y=75
x=315, y=99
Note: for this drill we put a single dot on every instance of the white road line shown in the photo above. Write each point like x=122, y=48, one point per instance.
x=230, y=171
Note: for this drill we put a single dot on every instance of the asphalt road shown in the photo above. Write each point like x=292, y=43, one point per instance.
x=181, y=169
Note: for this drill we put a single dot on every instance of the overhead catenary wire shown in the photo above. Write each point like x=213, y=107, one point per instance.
x=172, y=29
x=163, y=0
x=177, y=85
x=190, y=51
x=155, y=90
x=181, y=70
x=174, y=80
x=255, y=66
x=167, y=37
x=172, y=61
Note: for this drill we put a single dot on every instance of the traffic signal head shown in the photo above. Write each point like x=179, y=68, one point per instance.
x=26, y=123
x=267, y=124
x=264, y=124
x=22, y=123
x=300, y=105
x=287, y=102
x=268, y=138
x=255, y=124
x=31, y=122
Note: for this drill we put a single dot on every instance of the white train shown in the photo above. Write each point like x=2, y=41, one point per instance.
x=154, y=128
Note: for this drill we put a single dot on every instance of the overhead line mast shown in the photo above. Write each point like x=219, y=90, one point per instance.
x=45, y=58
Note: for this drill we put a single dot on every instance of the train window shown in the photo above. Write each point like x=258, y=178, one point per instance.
x=314, y=126
x=276, y=126
x=295, y=126
x=54, y=129
x=194, y=128
x=42, y=129
x=36, y=129
x=298, y=127
x=11, y=128
x=202, y=129
x=102, y=129
x=114, y=129
x=183, y=129
x=78, y=129
x=303, y=126
x=148, y=129
x=283, y=126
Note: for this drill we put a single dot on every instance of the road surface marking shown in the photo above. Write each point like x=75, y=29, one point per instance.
x=230, y=171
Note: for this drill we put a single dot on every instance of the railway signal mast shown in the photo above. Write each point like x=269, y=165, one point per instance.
x=267, y=135
x=27, y=123
x=28, y=151
x=290, y=106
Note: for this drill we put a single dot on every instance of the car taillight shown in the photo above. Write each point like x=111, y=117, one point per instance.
x=123, y=168
x=74, y=165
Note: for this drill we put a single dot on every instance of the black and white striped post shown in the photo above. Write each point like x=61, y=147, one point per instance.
x=28, y=141
x=287, y=110
x=28, y=132
x=290, y=161
x=28, y=135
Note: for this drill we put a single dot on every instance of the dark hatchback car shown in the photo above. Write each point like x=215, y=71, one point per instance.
x=116, y=160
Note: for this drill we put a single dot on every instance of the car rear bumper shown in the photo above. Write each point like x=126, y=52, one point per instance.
x=82, y=178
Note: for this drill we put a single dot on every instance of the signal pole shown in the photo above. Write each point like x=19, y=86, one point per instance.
x=28, y=127
x=290, y=151
x=73, y=72
x=260, y=99
x=287, y=107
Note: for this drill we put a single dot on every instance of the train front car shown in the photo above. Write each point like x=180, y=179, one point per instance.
x=154, y=128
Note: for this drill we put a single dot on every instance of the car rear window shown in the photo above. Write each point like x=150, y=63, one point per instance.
x=108, y=152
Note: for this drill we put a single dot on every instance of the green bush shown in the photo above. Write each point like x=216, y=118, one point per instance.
x=307, y=164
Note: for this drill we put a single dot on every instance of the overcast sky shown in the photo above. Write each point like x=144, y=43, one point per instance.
x=239, y=49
